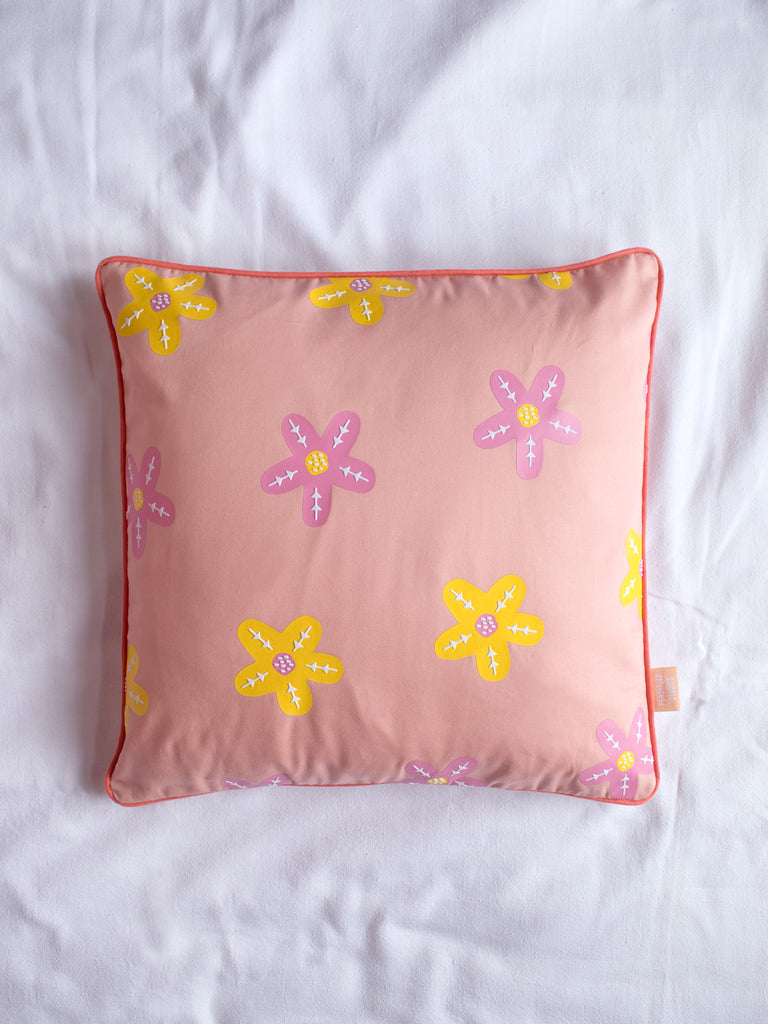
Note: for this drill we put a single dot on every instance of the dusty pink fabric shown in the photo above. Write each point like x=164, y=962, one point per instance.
x=416, y=588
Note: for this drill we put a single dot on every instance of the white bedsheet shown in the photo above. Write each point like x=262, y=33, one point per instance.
x=393, y=135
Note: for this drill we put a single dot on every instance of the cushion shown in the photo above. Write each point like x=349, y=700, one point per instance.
x=384, y=528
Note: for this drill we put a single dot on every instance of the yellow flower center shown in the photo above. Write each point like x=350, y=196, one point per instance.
x=438, y=782
x=528, y=415
x=138, y=498
x=626, y=760
x=316, y=462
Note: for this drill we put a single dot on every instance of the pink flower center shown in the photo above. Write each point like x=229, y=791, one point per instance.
x=528, y=415
x=138, y=498
x=283, y=663
x=625, y=761
x=160, y=301
x=486, y=625
x=440, y=781
x=316, y=463
x=360, y=284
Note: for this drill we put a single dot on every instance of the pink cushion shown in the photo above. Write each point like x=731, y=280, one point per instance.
x=384, y=528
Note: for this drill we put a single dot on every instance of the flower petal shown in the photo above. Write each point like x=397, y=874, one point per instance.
x=322, y=668
x=184, y=284
x=150, y=469
x=316, y=504
x=301, y=637
x=256, y=680
x=459, y=767
x=260, y=640
x=133, y=318
x=465, y=601
x=505, y=597
x=493, y=659
x=293, y=694
x=524, y=630
x=131, y=473
x=634, y=549
x=197, y=307
x=611, y=738
x=598, y=774
x=340, y=434
x=631, y=588
x=353, y=475
x=420, y=771
x=557, y=279
x=638, y=731
x=366, y=308
x=300, y=436
x=393, y=288
x=131, y=663
x=457, y=642
x=159, y=509
x=136, y=698
x=624, y=785
x=329, y=296
x=561, y=426
x=507, y=389
x=164, y=333
x=184, y=300
x=276, y=780
x=547, y=388
x=138, y=528
x=143, y=283
x=284, y=476
x=496, y=430
x=529, y=455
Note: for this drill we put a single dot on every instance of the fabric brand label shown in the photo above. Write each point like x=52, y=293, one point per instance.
x=666, y=696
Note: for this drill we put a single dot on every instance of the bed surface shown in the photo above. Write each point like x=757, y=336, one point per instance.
x=333, y=136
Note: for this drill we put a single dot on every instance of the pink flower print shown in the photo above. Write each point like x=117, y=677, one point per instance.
x=145, y=503
x=273, y=780
x=454, y=774
x=319, y=463
x=628, y=757
x=528, y=417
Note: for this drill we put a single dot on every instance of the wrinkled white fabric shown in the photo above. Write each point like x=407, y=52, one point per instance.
x=320, y=135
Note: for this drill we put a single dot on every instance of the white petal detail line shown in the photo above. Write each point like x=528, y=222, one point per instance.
x=502, y=429
x=260, y=638
x=343, y=429
x=526, y=630
x=459, y=595
x=298, y=644
x=296, y=429
x=259, y=678
x=317, y=667
x=453, y=644
x=280, y=480
x=505, y=386
x=547, y=393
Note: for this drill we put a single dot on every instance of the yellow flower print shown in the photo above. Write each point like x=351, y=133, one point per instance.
x=486, y=624
x=136, y=698
x=557, y=279
x=158, y=304
x=632, y=587
x=361, y=294
x=285, y=663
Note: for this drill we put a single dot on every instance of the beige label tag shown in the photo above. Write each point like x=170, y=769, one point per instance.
x=666, y=696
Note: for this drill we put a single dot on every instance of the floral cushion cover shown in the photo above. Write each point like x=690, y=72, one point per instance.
x=384, y=528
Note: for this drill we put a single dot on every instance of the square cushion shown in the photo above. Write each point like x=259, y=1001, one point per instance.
x=384, y=528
